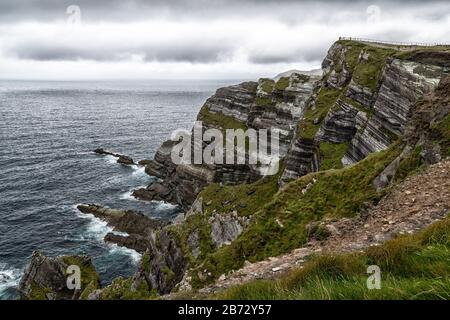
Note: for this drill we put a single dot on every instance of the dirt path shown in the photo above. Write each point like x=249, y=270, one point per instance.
x=414, y=204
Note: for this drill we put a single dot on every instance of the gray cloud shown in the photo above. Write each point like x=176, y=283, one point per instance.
x=231, y=34
x=307, y=54
x=289, y=11
x=171, y=52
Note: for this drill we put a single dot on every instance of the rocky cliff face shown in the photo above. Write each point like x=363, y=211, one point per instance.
x=367, y=110
x=402, y=85
x=369, y=99
x=266, y=104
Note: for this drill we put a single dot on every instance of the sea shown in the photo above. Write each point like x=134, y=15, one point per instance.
x=48, y=131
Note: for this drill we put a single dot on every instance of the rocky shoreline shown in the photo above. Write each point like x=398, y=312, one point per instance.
x=330, y=122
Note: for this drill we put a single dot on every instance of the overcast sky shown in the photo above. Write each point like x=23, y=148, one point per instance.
x=114, y=39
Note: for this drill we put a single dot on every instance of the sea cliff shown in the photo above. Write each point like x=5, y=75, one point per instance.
x=349, y=136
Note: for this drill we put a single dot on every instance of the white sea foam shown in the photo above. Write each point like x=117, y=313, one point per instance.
x=161, y=205
x=118, y=233
x=96, y=228
x=138, y=170
x=9, y=277
x=110, y=159
x=129, y=194
x=134, y=255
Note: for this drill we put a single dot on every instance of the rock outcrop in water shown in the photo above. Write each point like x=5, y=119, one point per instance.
x=131, y=228
x=122, y=159
x=149, y=237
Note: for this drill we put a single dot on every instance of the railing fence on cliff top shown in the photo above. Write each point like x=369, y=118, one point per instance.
x=394, y=43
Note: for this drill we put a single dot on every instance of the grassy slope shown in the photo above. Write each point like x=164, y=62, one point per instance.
x=244, y=198
x=331, y=155
x=280, y=225
x=412, y=267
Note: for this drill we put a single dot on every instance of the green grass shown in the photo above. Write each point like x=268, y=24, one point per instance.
x=37, y=292
x=365, y=73
x=264, y=101
x=280, y=226
x=120, y=289
x=301, y=78
x=246, y=199
x=282, y=84
x=412, y=267
x=368, y=73
x=267, y=85
x=220, y=120
x=195, y=223
x=331, y=155
x=326, y=98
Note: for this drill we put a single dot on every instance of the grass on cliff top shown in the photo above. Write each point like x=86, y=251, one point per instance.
x=366, y=73
x=412, y=267
x=220, y=120
x=409, y=165
x=280, y=226
x=326, y=98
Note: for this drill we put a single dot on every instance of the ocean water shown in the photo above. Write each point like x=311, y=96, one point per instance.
x=47, y=133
